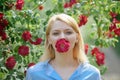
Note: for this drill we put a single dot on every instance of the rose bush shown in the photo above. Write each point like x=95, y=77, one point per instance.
x=23, y=24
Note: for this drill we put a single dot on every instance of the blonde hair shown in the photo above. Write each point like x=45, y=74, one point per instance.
x=78, y=51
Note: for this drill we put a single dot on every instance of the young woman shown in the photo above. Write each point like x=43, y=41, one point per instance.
x=64, y=58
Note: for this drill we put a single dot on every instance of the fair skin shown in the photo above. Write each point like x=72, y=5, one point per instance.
x=64, y=63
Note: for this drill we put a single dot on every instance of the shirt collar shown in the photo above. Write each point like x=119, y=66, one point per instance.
x=51, y=72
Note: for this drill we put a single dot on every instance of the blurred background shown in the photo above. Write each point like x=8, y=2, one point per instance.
x=22, y=33
x=112, y=54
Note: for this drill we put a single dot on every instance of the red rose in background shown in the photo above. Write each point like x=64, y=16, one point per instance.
x=82, y=20
x=19, y=4
x=41, y=7
x=10, y=62
x=3, y=35
x=115, y=21
x=66, y=5
x=31, y=64
x=37, y=42
x=23, y=50
x=117, y=31
x=1, y=28
x=3, y=22
x=112, y=14
x=1, y=15
x=70, y=4
x=100, y=58
x=26, y=35
x=94, y=51
x=112, y=27
x=86, y=48
x=62, y=45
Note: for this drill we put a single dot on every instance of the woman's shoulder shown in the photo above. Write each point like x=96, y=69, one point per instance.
x=87, y=67
x=88, y=72
x=38, y=66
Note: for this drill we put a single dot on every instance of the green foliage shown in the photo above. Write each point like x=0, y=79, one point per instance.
x=34, y=20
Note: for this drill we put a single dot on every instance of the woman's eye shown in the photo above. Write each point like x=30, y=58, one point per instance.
x=55, y=33
x=68, y=32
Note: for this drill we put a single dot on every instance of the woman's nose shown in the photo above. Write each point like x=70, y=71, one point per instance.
x=62, y=35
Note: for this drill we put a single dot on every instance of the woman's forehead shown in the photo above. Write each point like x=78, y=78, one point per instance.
x=60, y=25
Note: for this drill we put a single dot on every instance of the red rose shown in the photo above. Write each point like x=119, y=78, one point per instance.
x=86, y=48
x=26, y=35
x=4, y=36
x=41, y=7
x=73, y=2
x=25, y=72
x=82, y=20
x=112, y=27
x=70, y=4
x=112, y=14
x=19, y=4
x=117, y=31
x=1, y=28
x=67, y=5
x=115, y=21
x=62, y=45
x=100, y=58
x=23, y=50
x=1, y=15
x=4, y=22
x=37, y=42
x=94, y=51
x=10, y=62
x=31, y=64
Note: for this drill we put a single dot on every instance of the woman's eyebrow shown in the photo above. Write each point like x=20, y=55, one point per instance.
x=55, y=30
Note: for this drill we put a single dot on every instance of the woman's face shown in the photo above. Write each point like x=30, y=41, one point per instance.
x=61, y=30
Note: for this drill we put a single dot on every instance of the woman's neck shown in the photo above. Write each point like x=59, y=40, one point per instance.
x=64, y=60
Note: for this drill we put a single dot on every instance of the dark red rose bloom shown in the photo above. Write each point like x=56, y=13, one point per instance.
x=41, y=7
x=113, y=15
x=100, y=57
x=3, y=35
x=1, y=28
x=3, y=23
x=86, y=48
x=31, y=64
x=70, y=4
x=115, y=21
x=37, y=42
x=94, y=51
x=67, y=5
x=23, y=50
x=19, y=4
x=26, y=35
x=1, y=31
x=112, y=27
x=82, y=20
x=117, y=31
x=62, y=45
x=25, y=72
x=10, y=62
x=1, y=15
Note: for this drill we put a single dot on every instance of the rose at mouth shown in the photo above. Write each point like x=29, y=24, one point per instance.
x=62, y=45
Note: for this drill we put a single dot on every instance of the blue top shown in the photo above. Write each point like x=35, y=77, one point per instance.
x=44, y=71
